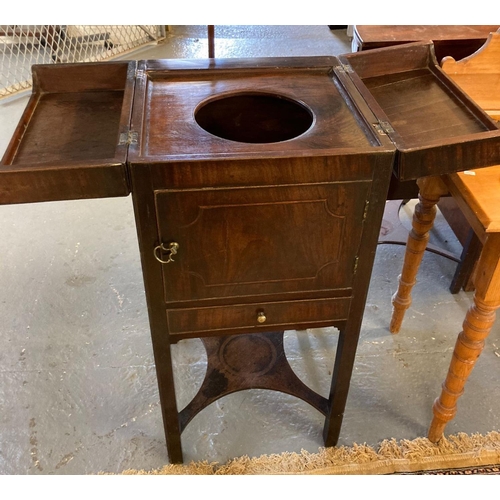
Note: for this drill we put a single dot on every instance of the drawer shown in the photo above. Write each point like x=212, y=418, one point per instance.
x=247, y=318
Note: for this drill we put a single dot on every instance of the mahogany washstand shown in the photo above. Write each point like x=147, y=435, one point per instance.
x=258, y=187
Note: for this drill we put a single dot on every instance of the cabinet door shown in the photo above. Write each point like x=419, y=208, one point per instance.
x=255, y=241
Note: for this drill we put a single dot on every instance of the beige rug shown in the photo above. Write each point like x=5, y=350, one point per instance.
x=390, y=457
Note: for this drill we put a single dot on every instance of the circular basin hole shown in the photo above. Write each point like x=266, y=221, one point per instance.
x=254, y=118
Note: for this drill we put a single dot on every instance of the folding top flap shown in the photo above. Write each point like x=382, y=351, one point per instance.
x=435, y=126
x=72, y=139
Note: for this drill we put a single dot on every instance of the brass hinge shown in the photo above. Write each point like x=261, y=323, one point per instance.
x=128, y=138
x=356, y=260
x=365, y=211
x=383, y=128
x=344, y=68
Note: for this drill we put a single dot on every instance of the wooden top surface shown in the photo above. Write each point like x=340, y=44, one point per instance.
x=67, y=144
x=75, y=116
x=480, y=189
x=173, y=94
x=402, y=33
x=72, y=126
x=421, y=109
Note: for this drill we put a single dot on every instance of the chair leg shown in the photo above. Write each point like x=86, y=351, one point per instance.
x=431, y=190
x=470, y=254
x=476, y=327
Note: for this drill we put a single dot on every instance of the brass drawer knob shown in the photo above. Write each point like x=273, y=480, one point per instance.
x=171, y=249
x=261, y=317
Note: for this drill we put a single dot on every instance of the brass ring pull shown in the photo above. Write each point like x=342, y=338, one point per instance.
x=172, y=249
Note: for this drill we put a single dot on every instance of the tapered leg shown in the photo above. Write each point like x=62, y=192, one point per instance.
x=344, y=362
x=153, y=283
x=431, y=190
x=476, y=327
x=168, y=402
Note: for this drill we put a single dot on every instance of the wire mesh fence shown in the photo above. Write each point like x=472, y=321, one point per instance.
x=21, y=46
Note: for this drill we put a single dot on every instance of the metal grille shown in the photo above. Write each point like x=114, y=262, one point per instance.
x=21, y=46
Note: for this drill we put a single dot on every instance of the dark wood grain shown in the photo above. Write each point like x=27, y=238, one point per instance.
x=349, y=335
x=272, y=231
x=142, y=196
x=436, y=127
x=248, y=362
x=171, y=109
x=261, y=240
x=82, y=77
x=73, y=126
x=270, y=235
x=243, y=318
x=421, y=109
x=67, y=144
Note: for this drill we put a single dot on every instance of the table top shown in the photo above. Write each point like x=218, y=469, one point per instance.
x=241, y=108
x=411, y=33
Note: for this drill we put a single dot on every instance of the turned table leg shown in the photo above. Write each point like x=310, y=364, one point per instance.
x=431, y=190
x=476, y=327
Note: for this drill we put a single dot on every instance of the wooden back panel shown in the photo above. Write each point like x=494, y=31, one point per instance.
x=479, y=75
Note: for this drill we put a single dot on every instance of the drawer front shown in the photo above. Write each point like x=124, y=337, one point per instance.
x=248, y=318
x=241, y=242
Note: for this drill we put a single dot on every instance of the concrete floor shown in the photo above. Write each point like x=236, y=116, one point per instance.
x=78, y=392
